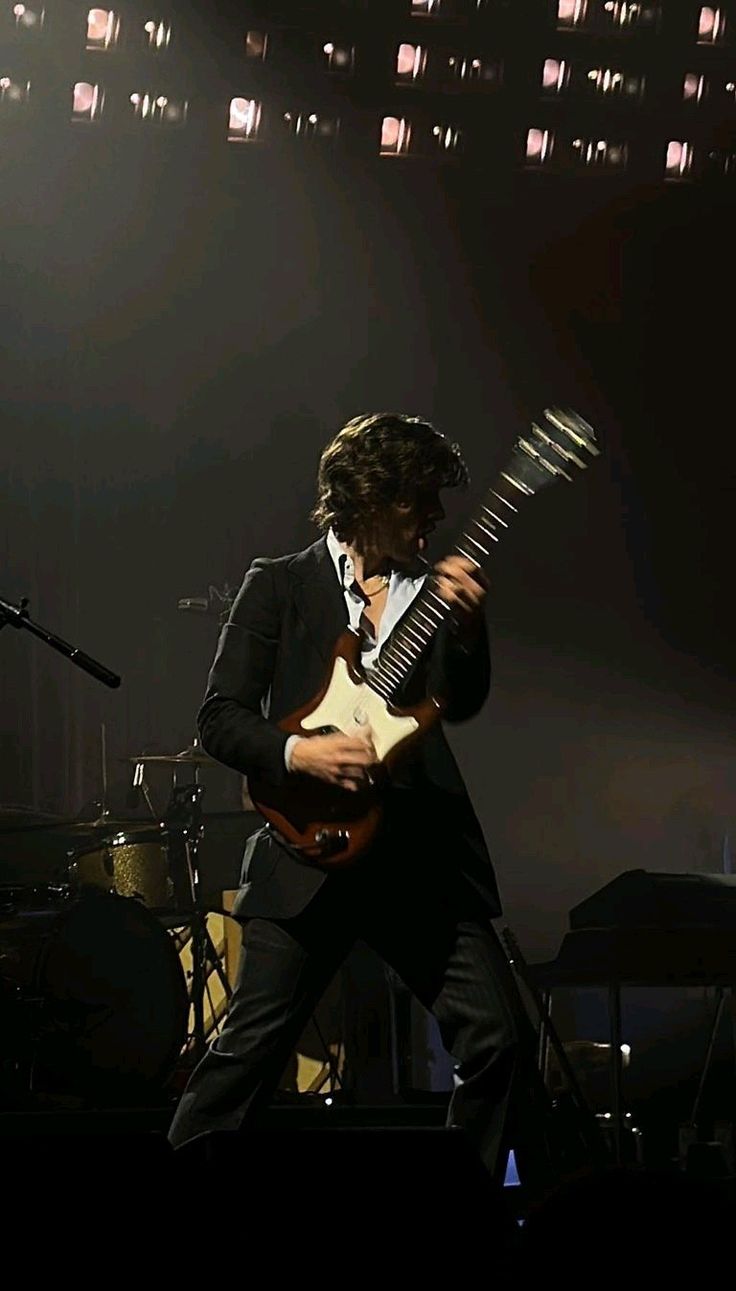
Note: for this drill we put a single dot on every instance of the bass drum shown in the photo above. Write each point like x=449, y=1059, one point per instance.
x=93, y=997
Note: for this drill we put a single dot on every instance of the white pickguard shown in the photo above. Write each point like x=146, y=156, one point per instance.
x=354, y=708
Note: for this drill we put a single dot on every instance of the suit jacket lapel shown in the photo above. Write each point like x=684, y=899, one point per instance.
x=319, y=597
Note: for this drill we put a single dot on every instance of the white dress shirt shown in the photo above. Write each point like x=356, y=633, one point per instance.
x=402, y=589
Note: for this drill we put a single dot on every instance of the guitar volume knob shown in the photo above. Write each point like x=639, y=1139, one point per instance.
x=332, y=840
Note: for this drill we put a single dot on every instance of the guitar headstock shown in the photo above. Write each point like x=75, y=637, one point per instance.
x=554, y=448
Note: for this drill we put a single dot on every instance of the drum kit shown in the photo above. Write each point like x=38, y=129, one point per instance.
x=96, y=1007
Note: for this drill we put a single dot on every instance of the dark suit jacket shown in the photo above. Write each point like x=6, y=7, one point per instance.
x=272, y=658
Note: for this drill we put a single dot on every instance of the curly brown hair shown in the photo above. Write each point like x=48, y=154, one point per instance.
x=378, y=459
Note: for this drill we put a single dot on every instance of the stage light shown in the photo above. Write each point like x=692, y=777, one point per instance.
x=601, y=15
x=27, y=19
x=685, y=162
x=599, y=154
x=448, y=138
x=411, y=62
x=245, y=121
x=13, y=94
x=256, y=44
x=571, y=13
x=159, y=109
x=560, y=76
x=539, y=147
x=555, y=75
x=395, y=137
x=425, y=8
x=340, y=58
x=612, y=83
x=679, y=159
x=721, y=162
x=103, y=29
x=473, y=70
x=694, y=87
x=309, y=125
x=624, y=14
x=711, y=25
x=158, y=34
x=87, y=101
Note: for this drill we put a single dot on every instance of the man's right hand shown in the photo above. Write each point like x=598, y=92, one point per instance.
x=338, y=759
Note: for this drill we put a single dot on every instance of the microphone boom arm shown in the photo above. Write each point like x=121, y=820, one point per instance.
x=17, y=616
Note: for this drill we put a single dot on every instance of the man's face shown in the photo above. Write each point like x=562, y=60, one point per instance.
x=405, y=531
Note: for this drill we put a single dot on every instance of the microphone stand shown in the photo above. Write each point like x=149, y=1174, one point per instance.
x=16, y=616
x=185, y=808
x=185, y=812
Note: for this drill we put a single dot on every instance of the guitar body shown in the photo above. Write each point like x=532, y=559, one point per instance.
x=330, y=826
x=333, y=827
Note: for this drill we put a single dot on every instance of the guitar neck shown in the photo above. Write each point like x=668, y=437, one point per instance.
x=549, y=452
x=429, y=611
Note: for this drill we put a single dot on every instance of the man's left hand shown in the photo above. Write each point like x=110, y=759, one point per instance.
x=464, y=587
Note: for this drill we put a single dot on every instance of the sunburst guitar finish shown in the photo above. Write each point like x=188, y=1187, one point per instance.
x=327, y=824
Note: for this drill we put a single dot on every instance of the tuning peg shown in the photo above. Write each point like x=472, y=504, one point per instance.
x=577, y=429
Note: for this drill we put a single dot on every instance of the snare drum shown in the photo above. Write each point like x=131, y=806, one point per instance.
x=147, y=862
x=93, y=996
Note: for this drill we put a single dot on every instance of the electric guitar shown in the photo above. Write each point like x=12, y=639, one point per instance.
x=331, y=826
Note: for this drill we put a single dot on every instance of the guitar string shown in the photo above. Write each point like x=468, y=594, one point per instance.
x=401, y=652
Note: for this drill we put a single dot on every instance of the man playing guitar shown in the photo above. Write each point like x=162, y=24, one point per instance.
x=424, y=894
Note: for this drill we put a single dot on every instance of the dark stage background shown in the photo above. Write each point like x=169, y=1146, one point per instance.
x=182, y=328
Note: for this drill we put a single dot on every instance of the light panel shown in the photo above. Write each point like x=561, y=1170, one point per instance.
x=539, y=146
x=256, y=45
x=244, y=123
x=396, y=133
x=88, y=101
x=711, y=25
x=103, y=29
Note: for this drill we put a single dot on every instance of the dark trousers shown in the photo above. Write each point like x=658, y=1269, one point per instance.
x=438, y=939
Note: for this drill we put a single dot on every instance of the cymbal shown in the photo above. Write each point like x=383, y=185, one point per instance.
x=14, y=820
x=191, y=756
x=73, y=827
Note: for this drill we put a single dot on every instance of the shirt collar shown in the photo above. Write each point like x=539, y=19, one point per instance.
x=345, y=569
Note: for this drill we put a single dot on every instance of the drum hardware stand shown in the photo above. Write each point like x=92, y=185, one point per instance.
x=139, y=783
x=216, y=603
x=399, y=1003
x=588, y=1130
x=185, y=811
x=103, y=812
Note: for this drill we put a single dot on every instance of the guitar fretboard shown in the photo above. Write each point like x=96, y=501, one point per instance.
x=535, y=462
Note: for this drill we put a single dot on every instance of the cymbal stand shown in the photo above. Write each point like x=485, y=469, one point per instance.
x=101, y=803
x=185, y=810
